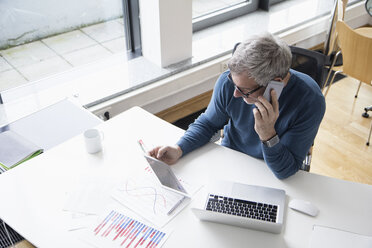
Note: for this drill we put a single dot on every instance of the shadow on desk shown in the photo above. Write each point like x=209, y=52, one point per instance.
x=230, y=231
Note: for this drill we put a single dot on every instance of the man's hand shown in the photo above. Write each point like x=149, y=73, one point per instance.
x=167, y=154
x=265, y=116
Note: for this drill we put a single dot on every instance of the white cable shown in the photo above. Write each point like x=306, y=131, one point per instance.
x=7, y=233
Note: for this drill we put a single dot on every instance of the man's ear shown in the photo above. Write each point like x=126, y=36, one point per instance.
x=278, y=79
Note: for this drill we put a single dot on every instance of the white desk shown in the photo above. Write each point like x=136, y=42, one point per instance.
x=34, y=193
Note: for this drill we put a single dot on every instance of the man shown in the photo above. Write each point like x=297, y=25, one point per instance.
x=280, y=132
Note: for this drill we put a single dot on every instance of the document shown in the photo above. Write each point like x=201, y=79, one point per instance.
x=115, y=229
x=328, y=237
x=145, y=196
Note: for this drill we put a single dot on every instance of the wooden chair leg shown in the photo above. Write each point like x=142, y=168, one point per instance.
x=356, y=94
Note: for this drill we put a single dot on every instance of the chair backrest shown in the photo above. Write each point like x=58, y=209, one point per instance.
x=356, y=51
x=309, y=62
x=338, y=13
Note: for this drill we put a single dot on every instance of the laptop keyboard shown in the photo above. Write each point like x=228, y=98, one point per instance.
x=243, y=208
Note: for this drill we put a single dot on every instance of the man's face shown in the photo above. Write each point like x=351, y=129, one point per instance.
x=246, y=87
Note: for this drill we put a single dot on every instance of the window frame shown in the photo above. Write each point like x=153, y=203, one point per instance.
x=222, y=15
x=132, y=28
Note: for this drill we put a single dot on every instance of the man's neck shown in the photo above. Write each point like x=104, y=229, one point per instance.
x=286, y=79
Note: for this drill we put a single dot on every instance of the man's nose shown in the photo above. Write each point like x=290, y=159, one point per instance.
x=237, y=94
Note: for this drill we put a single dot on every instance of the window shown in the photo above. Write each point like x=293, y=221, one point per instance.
x=206, y=13
x=46, y=37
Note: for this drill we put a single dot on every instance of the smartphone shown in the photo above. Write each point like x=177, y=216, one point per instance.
x=277, y=86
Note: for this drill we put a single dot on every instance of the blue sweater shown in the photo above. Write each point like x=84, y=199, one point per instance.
x=301, y=109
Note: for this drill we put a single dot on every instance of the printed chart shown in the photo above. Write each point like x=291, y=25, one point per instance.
x=146, y=197
x=119, y=230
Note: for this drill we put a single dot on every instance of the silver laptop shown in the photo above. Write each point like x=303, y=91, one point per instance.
x=248, y=206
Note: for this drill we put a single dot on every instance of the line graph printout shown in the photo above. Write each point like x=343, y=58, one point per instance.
x=146, y=197
x=118, y=230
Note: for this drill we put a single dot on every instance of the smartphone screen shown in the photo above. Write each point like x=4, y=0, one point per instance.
x=277, y=86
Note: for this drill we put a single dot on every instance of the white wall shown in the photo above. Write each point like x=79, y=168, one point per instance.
x=22, y=21
x=166, y=30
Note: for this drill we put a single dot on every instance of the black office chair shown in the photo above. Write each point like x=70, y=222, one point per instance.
x=311, y=63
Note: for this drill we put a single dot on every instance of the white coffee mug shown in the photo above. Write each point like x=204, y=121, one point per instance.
x=93, y=140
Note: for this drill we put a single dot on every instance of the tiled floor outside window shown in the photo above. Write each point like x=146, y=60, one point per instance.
x=38, y=59
x=45, y=57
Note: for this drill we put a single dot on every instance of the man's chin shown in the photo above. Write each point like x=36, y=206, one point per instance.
x=249, y=101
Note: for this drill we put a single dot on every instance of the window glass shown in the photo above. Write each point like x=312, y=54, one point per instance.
x=205, y=7
x=206, y=13
x=42, y=38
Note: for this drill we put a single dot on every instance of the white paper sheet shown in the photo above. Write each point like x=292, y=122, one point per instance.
x=145, y=196
x=327, y=237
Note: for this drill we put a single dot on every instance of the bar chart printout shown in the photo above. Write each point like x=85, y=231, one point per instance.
x=119, y=230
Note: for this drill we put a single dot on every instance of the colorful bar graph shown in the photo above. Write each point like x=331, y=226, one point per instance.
x=119, y=230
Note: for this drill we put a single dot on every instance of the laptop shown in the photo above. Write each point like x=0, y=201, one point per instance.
x=248, y=206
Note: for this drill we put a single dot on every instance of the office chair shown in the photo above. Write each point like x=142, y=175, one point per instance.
x=331, y=50
x=311, y=63
x=368, y=6
x=356, y=47
x=337, y=14
x=357, y=55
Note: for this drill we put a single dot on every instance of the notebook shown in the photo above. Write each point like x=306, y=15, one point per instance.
x=248, y=206
x=15, y=149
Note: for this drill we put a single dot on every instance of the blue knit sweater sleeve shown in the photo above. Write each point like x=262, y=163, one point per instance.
x=207, y=124
x=285, y=158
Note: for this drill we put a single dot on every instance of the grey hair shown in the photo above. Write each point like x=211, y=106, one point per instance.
x=262, y=57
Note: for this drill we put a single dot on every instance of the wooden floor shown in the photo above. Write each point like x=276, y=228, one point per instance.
x=340, y=149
